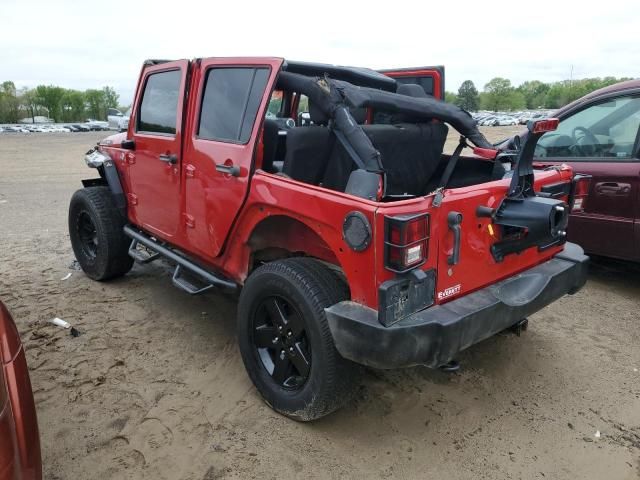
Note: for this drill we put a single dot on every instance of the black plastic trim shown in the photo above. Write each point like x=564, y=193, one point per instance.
x=404, y=295
x=433, y=336
x=188, y=264
x=94, y=182
x=113, y=180
x=556, y=190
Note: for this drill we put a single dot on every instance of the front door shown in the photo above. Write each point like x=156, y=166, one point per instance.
x=154, y=165
x=601, y=140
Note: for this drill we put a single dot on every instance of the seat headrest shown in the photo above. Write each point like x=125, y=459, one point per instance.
x=411, y=90
x=318, y=117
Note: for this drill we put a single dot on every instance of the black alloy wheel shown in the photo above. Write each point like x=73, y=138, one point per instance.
x=281, y=342
x=96, y=234
x=286, y=344
x=88, y=235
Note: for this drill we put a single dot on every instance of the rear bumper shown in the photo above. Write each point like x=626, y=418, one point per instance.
x=433, y=336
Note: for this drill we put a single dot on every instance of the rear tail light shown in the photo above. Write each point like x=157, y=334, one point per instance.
x=579, y=192
x=406, y=242
x=542, y=126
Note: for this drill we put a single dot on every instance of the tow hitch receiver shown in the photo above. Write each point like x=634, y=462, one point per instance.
x=519, y=327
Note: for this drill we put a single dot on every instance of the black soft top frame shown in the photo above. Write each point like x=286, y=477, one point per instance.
x=356, y=75
x=334, y=98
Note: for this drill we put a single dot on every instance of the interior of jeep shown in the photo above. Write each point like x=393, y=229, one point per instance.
x=298, y=142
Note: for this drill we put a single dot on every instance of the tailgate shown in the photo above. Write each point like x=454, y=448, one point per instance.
x=476, y=266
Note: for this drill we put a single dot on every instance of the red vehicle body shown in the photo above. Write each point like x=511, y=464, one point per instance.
x=20, y=442
x=178, y=209
x=219, y=208
x=610, y=223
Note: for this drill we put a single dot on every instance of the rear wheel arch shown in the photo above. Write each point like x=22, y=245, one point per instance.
x=281, y=236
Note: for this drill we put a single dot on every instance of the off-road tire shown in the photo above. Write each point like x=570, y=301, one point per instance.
x=110, y=258
x=309, y=286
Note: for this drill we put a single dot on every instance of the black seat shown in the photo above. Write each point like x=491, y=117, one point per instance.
x=308, y=149
x=270, y=142
x=410, y=154
x=411, y=90
x=408, y=89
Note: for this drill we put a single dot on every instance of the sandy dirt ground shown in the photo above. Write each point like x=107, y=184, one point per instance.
x=154, y=387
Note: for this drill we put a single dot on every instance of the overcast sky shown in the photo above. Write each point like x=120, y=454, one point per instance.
x=90, y=44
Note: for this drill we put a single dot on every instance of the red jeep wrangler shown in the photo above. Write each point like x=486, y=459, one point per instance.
x=355, y=240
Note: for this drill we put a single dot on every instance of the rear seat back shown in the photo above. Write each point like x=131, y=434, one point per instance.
x=410, y=153
x=308, y=149
x=307, y=155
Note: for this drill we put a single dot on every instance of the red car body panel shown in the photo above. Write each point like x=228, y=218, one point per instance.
x=224, y=219
x=20, y=455
x=610, y=223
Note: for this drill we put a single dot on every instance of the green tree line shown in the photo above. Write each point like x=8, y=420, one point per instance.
x=57, y=103
x=500, y=95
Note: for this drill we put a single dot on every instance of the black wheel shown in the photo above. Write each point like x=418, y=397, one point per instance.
x=285, y=341
x=95, y=228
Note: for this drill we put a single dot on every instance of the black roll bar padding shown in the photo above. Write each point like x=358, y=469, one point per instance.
x=522, y=179
x=419, y=107
x=357, y=140
x=332, y=96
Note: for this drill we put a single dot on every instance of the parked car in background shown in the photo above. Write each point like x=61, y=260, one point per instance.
x=505, y=121
x=19, y=439
x=13, y=129
x=123, y=123
x=114, y=116
x=97, y=125
x=599, y=135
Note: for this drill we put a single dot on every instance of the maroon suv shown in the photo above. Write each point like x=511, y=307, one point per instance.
x=599, y=135
x=19, y=439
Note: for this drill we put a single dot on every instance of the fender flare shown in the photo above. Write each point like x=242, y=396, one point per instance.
x=109, y=176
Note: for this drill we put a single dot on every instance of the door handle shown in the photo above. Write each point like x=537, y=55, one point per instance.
x=228, y=169
x=613, y=188
x=454, y=219
x=168, y=158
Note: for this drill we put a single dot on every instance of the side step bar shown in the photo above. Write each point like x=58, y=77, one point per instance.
x=183, y=263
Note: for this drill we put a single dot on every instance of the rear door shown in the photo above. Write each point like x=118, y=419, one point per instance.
x=154, y=165
x=431, y=79
x=229, y=101
x=601, y=139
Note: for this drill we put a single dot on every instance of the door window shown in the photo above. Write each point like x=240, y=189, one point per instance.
x=230, y=103
x=607, y=130
x=159, y=106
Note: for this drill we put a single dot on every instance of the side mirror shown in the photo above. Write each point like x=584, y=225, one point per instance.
x=128, y=144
